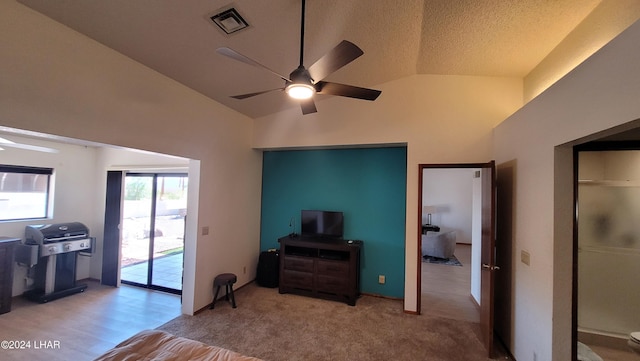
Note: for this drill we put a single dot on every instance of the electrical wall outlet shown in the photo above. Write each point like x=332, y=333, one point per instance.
x=381, y=279
x=205, y=231
x=244, y=270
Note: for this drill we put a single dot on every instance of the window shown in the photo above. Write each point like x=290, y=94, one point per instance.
x=24, y=192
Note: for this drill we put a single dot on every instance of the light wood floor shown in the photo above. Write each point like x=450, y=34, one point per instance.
x=446, y=290
x=84, y=325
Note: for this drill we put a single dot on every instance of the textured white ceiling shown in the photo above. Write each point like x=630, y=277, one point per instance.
x=399, y=38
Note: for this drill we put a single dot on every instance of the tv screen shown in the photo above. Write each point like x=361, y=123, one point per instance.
x=322, y=224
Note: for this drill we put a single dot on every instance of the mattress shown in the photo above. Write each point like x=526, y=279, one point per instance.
x=160, y=345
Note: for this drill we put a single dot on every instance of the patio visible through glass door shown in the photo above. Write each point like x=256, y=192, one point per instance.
x=153, y=227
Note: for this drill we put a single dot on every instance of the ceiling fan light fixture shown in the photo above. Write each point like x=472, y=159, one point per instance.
x=300, y=90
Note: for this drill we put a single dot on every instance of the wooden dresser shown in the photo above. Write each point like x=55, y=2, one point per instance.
x=7, y=246
x=320, y=267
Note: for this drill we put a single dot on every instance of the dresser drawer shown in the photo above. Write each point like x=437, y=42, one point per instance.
x=320, y=267
x=297, y=279
x=331, y=284
x=333, y=268
x=303, y=264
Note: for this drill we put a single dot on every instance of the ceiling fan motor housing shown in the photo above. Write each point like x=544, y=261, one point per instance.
x=301, y=76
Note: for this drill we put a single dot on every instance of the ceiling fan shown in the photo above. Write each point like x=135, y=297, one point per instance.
x=4, y=142
x=303, y=82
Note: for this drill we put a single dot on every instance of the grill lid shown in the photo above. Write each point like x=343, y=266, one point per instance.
x=48, y=233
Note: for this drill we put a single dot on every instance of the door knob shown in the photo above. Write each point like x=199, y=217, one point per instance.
x=490, y=268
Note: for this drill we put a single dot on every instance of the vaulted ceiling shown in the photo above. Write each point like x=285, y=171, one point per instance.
x=399, y=38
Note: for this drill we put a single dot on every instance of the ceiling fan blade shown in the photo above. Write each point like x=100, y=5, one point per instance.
x=347, y=91
x=308, y=106
x=249, y=95
x=239, y=57
x=341, y=55
x=36, y=148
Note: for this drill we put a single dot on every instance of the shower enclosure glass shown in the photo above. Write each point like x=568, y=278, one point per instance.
x=609, y=243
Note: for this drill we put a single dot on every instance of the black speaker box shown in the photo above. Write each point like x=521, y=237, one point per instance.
x=268, y=269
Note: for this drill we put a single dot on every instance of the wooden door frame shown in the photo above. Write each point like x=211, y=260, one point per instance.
x=488, y=253
x=421, y=168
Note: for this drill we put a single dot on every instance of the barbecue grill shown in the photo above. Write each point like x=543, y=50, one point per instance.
x=52, y=251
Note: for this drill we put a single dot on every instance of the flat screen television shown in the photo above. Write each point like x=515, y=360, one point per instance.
x=322, y=224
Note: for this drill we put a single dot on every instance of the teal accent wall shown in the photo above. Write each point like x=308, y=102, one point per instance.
x=367, y=185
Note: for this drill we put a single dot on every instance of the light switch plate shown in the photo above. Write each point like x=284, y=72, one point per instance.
x=525, y=257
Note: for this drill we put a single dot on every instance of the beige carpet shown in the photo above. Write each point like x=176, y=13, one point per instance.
x=275, y=327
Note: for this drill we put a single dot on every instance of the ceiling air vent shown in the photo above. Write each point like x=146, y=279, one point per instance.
x=229, y=21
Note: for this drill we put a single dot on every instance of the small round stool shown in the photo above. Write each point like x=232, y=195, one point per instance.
x=227, y=280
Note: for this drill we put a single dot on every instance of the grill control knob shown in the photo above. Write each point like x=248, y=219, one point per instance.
x=67, y=247
x=83, y=245
x=52, y=250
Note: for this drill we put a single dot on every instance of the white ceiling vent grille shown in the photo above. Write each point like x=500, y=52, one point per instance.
x=229, y=21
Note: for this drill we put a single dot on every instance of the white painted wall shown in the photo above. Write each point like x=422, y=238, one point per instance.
x=605, y=22
x=73, y=189
x=57, y=81
x=451, y=192
x=599, y=94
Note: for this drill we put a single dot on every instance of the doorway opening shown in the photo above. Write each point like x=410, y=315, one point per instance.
x=153, y=230
x=450, y=240
x=482, y=266
x=606, y=247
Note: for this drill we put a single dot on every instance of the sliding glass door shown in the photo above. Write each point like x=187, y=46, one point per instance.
x=153, y=228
